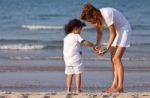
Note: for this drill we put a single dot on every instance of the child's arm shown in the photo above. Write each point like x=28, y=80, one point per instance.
x=87, y=43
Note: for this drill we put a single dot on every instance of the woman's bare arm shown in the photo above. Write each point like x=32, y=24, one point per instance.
x=99, y=36
x=112, y=35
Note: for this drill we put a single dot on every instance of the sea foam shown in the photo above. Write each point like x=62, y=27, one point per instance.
x=21, y=47
x=36, y=27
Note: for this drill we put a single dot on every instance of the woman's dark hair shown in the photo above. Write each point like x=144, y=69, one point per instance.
x=72, y=24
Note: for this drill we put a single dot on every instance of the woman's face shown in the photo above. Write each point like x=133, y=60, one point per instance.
x=93, y=22
x=96, y=24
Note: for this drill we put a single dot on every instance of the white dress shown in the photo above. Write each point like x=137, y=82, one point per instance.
x=122, y=26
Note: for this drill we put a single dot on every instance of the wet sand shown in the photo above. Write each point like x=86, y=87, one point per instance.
x=51, y=78
x=81, y=95
x=92, y=81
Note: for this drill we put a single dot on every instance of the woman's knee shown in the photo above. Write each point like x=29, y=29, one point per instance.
x=116, y=60
x=112, y=60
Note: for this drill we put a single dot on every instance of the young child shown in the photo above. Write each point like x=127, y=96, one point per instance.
x=71, y=52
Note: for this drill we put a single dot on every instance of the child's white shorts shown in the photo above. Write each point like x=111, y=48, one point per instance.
x=69, y=70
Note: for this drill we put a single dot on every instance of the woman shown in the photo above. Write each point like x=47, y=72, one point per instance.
x=119, y=38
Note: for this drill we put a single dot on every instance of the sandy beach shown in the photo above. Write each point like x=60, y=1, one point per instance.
x=81, y=95
x=31, y=50
x=51, y=78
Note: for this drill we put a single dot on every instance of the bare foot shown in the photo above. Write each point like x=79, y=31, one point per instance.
x=120, y=90
x=107, y=90
x=78, y=91
x=116, y=90
x=68, y=92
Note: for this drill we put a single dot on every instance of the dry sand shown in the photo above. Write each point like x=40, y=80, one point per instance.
x=81, y=95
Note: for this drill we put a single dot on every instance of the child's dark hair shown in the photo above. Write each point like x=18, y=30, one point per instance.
x=72, y=24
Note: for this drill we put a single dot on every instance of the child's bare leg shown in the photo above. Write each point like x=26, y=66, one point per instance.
x=68, y=83
x=78, y=83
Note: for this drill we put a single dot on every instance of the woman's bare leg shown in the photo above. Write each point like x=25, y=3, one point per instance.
x=115, y=78
x=114, y=70
x=119, y=68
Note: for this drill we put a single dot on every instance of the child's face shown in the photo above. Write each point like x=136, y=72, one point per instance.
x=77, y=30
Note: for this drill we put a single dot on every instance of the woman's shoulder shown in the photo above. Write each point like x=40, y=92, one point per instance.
x=107, y=9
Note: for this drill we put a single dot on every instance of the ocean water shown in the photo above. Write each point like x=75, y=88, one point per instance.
x=34, y=29
x=31, y=32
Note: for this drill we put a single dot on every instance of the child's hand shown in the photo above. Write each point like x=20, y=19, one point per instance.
x=95, y=49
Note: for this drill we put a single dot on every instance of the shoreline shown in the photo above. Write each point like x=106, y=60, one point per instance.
x=49, y=78
x=61, y=68
x=81, y=95
x=55, y=81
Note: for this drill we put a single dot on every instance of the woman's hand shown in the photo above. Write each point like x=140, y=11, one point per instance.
x=101, y=52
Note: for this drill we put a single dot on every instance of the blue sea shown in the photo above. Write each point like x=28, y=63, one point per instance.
x=31, y=40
